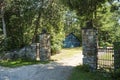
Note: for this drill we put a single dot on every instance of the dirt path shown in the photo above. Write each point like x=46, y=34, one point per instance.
x=58, y=70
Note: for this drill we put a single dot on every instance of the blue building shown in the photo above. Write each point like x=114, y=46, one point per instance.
x=71, y=41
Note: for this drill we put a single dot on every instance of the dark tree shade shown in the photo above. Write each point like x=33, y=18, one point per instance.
x=84, y=7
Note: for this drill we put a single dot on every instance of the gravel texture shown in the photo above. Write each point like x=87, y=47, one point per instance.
x=57, y=70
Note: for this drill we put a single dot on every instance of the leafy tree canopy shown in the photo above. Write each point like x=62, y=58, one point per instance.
x=85, y=8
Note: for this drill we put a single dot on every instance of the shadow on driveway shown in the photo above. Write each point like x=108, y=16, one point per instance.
x=51, y=71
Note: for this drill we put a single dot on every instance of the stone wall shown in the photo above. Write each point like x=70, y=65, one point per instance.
x=26, y=53
x=89, y=44
x=38, y=51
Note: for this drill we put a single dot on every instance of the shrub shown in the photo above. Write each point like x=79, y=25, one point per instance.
x=84, y=67
x=56, y=42
x=104, y=44
x=55, y=49
x=116, y=74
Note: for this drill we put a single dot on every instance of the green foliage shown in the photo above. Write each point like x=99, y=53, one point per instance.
x=52, y=20
x=57, y=42
x=107, y=25
x=25, y=20
x=105, y=16
x=116, y=46
x=16, y=23
x=84, y=67
x=85, y=8
x=116, y=74
x=105, y=44
x=72, y=24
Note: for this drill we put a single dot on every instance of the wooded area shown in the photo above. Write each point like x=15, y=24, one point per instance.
x=21, y=21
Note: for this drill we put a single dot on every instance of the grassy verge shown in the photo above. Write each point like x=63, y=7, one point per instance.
x=66, y=53
x=82, y=73
x=18, y=63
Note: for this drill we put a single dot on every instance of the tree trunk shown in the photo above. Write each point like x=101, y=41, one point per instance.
x=36, y=28
x=34, y=39
x=3, y=22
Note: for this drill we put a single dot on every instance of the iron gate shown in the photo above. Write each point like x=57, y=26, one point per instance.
x=105, y=57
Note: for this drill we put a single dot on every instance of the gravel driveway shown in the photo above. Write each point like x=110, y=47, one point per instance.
x=58, y=70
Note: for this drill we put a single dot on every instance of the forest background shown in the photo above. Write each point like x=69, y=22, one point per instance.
x=21, y=21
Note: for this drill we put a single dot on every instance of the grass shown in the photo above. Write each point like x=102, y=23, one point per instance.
x=66, y=53
x=81, y=73
x=106, y=56
x=19, y=63
x=106, y=60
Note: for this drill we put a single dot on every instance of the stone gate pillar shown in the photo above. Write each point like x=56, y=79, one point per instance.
x=45, y=50
x=89, y=44
x=116, y=55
